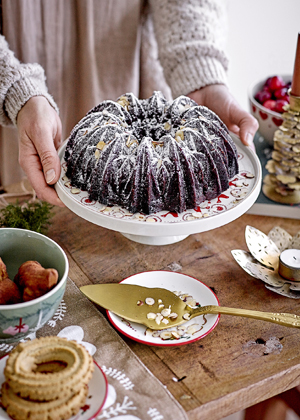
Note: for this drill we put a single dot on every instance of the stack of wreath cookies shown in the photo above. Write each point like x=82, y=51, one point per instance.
x=46, y=379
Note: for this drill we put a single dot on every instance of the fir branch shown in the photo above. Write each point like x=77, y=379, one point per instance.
x=32, y=216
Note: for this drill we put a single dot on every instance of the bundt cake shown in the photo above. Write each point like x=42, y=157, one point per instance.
x=151, y=155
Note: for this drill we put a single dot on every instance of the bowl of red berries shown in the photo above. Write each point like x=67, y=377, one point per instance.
x=268, y=99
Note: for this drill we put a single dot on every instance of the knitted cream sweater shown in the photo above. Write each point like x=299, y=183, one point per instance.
x=189, y=35
x=18, y=83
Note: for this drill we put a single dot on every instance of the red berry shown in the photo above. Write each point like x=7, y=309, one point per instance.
x=274, y=83
x=270, y=104
x=286, y=98
x=279, y=105
x=267, y=82
x=262, y=96
x=281, y=93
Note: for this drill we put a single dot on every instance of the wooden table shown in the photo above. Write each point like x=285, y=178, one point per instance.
x=242, y=361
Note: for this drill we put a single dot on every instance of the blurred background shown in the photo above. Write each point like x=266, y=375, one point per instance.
x=262, y=39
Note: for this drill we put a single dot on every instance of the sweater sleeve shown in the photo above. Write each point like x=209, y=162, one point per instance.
x=18, y=83
x=190, y=36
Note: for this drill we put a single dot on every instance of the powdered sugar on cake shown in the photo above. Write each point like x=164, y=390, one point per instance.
x=151, y=155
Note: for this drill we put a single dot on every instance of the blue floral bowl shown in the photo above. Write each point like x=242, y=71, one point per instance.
x=19, y=320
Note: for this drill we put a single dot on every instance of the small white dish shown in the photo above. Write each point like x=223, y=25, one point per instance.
x=165, y=227
x=268, y=120
x=175, y=282
x=96, y=398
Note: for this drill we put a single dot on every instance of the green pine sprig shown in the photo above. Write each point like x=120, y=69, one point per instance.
x=33, y=216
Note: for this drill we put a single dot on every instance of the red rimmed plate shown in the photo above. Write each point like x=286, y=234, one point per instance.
x=96, y=398
x=195, y=329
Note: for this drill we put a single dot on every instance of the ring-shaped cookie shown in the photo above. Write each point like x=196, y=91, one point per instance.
x=61, y=408
x=24, y=378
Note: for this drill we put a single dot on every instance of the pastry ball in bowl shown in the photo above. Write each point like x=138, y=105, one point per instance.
x=33, y=275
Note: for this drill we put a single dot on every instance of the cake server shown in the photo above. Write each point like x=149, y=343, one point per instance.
x=152, y=306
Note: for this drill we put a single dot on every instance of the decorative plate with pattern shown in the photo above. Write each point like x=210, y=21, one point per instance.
x=187, y=288
x=168, y=227
x=98, y=387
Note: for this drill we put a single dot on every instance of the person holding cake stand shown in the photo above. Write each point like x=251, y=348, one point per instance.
x=96, y=50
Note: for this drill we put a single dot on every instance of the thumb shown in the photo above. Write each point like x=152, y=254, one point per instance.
x=49, y=159
x=247, y=124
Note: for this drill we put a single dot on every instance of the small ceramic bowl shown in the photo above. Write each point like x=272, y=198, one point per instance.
x=19, y=320
x=268, y=120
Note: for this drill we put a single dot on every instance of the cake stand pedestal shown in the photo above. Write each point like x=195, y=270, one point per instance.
x=155, y=240
x=164, y=228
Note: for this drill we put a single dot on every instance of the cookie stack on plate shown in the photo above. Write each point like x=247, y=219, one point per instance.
x=282, y=184
x=46, y=379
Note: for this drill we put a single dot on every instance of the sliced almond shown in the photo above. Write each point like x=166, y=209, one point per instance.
x=179, y=134
x=173, y=316
x=166, y=335
x=97, y=153
x=181, y=330
x=175, y=334
x=149, y=301
x=191, y=302
x=158, y=318
x=166, y=312
x=101, y=145
x=149, y=332
x=123, y=101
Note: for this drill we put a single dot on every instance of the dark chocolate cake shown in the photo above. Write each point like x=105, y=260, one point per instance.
x=151, y=155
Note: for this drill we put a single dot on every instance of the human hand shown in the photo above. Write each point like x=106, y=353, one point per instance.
x=39, y=132
x=220, y=100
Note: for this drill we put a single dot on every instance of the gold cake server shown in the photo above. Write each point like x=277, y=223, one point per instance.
x=135, y=303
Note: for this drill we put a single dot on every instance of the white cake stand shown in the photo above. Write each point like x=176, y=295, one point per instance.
x=165, y=228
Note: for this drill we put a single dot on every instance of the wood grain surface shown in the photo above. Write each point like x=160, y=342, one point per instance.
x=242, y=361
